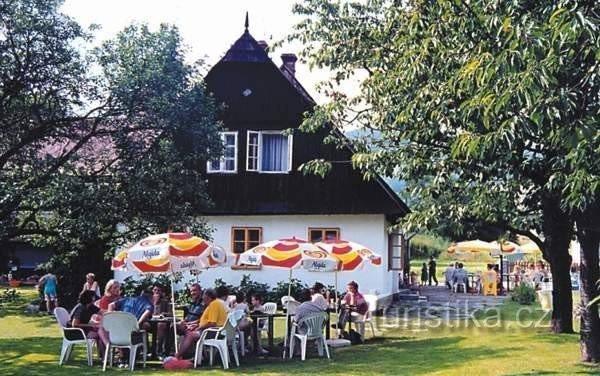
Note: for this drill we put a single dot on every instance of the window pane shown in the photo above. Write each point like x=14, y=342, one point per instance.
x=238, y=235
x=230, y=165
x=254, y=235
x=316, y=235
x=230, y=140
x=215, y=165
x=252, y=244
x=274, y=152
x=238, y=247
x=229, y=152
x=331, y=234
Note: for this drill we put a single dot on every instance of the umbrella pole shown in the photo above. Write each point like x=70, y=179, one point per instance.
x=336, y=294
x=287, y=314
x=173, y=306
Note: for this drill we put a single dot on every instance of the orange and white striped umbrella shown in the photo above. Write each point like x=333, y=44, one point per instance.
x=169, y=252
x=289, y=254
x=350, y=254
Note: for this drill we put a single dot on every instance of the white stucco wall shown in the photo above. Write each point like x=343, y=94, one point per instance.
x=369, y=230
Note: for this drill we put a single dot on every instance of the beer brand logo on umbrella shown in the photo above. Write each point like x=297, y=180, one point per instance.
x=155, y=254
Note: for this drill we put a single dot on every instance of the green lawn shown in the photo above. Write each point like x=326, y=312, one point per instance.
x=29, y=345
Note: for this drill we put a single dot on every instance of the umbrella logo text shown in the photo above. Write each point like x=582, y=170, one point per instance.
x=188, y=264
x=150, y=253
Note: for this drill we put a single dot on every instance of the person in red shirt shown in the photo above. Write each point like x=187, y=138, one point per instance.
x=112, y=292
x=354, y=306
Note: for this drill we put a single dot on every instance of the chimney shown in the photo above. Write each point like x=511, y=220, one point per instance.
x=289, y=61
x=264, y=45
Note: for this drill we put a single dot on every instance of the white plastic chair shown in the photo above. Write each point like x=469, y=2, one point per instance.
x=269, y=309
x=368, y=317
x=224, y=338
x=313, y=324
x=291, y=306
x=77, y=335
x=121, y=328
x=457, y=285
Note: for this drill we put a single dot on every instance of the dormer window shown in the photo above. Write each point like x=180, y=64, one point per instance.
x=269, y=152
x=228, y=162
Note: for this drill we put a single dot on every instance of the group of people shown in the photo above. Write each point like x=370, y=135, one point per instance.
x=531, y=273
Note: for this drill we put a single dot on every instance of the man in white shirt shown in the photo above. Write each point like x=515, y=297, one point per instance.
x=448, y=275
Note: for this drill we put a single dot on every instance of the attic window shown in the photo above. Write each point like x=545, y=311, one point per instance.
x=269, y=152
x=246, y=92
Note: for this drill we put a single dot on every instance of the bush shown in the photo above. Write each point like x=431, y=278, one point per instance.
x=523, y=294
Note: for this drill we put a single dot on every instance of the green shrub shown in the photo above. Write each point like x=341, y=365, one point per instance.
x=523, y=294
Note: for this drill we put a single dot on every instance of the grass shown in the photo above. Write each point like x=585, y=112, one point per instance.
x=30, y=344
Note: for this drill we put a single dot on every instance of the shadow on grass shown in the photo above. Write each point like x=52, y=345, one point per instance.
x=39, y=356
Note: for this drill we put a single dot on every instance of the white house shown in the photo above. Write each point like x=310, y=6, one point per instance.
x=259, y=194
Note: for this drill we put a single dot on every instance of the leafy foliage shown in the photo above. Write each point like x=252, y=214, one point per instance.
x=100, y=146
x=487, y=109
x=523, y=294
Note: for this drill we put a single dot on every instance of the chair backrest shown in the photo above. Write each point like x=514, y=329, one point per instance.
x=270, y=308
x=62, y=316
x=119, y=326
x=313, y=324
x=285, y=299
x=231, y=324
x=291, y=306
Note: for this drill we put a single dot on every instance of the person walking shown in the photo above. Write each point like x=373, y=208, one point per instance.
x=50, y=283
x=432, y=270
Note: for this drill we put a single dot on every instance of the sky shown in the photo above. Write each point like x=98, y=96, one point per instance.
x=208, y=27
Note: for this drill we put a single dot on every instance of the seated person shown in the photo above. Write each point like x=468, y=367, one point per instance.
x=307, y=308
x=490, y=276
x=81, y=317
x=354, y=306
x=139, y=306
x=213, y=316
x=448, y=275
x=317, y=296
x=112, y=293
x=460, y=275
x=222, y=296
x=162, y=307
x=256, y=303
x=240, y=303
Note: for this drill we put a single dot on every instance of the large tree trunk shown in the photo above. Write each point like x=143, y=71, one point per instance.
x=588, y=234
x=558, y=231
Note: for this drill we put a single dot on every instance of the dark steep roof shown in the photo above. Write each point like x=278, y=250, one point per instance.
x=246, y=49
x=260, y=96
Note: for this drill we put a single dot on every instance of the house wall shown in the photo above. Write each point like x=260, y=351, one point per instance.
x=366, y=229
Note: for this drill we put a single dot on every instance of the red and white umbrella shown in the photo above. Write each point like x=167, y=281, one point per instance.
x=351, y=256
x=290, y=254
x=170, y=253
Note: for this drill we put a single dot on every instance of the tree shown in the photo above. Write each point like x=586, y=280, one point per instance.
x=112, y=151
x=480, y=106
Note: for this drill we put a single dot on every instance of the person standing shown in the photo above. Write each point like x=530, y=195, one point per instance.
x=432, y=270
x=50, y=283
x=424, y=274
x=92, y=285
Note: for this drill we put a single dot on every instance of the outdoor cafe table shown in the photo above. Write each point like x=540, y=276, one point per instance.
x=154, y=321
x=270, y=326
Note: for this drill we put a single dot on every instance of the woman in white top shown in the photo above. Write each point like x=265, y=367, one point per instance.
x=92, y=285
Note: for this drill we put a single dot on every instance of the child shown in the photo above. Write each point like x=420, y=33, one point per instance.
x=424, y=275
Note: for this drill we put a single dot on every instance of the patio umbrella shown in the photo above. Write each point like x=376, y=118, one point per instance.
x=351, y=255
x=289, y=254
x=472, y=246
x=169, y=253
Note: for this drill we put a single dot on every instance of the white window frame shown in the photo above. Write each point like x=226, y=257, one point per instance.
x=259, y=162
x=222, y=160
x=248, y=148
